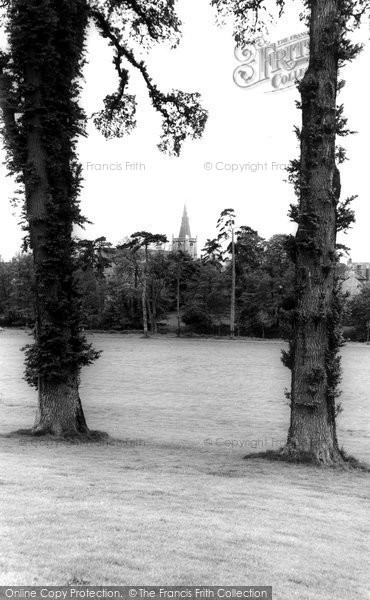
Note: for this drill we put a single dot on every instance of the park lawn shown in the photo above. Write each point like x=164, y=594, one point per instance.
x=176, y=503
x=163, y=514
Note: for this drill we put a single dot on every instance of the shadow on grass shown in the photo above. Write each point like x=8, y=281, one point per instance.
x=348, y=463
x=91, y=437
x=94, y=437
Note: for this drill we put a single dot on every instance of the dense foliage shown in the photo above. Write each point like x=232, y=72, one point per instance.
x=358, y=316
x=110, y=282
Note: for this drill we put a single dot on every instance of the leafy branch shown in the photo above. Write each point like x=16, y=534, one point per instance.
x=182, y=115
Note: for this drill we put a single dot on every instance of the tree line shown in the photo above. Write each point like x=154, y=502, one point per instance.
x=195, y=294
x=182, y=295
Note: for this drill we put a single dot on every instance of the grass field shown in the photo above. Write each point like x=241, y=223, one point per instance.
x=173, y=502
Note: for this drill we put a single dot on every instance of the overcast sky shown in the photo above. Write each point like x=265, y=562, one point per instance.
x=246, y=126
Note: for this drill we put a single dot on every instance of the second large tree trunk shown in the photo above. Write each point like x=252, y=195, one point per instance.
x=314, y=348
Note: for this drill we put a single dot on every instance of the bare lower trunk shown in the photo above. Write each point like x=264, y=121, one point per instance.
x=312, y=435
x=60, y=411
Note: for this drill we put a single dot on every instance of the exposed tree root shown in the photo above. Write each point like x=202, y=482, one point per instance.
x=305, y=458
x=323, y=455
x=73, y=437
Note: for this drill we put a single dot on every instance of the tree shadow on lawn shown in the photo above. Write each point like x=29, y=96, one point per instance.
x=92, y=437
x=349, y=463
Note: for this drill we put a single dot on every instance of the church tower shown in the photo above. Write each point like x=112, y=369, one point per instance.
x=185, y=242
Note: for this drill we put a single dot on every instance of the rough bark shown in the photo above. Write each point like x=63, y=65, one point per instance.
x=59, y=407
x=312, y=427
x=60, y=411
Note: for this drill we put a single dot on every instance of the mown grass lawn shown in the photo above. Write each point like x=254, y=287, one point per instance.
x=165, y=507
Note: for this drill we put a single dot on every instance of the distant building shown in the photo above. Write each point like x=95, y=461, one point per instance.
x=185, y=241
x=355, y=276
x=360, y=268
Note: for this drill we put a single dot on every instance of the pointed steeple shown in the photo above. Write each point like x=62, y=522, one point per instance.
x=185, y=225
x=185, y=243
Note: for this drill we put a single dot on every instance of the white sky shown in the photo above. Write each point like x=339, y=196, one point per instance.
x=245, y=126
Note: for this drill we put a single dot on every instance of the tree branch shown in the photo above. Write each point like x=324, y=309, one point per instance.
x=182, y=114
x=158, y=19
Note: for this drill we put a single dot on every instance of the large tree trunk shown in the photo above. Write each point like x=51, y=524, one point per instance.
x=314, y=347
x=49, y=197
x=59, y=406
x=60, y=411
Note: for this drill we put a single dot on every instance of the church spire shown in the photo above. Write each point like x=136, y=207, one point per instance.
x=185, y=243
x=185, y=225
